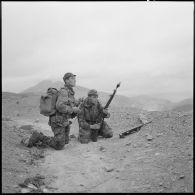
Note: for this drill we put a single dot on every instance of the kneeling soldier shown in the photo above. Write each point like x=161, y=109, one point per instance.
x=59, y=122
x=90, y=117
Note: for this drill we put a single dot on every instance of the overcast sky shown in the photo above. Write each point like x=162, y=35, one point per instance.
x=148, y=46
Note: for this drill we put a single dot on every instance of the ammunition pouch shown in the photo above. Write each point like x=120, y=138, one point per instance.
x=59, y=121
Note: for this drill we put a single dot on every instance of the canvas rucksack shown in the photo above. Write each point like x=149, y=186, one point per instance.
x=48, y=102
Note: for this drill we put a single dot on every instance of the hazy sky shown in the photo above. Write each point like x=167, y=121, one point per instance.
x=148, y=46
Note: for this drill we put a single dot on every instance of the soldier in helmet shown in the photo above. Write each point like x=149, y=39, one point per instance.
x=59, y=122
x=90, y=117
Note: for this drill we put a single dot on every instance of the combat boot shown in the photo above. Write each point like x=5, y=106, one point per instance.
x=32, y=140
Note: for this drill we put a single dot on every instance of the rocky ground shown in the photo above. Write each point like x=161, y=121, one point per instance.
x=158, y=158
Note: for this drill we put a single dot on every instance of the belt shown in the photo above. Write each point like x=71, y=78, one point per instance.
x=90, y=122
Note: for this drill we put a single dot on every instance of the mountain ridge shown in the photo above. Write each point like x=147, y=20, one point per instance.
x=144, y=102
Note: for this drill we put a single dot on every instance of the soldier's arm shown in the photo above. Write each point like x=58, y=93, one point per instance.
x=62, y=104
x=82, y=122
x=101, y=110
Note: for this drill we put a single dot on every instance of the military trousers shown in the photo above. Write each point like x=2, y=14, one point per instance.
x=86, y=135
x=61, y=130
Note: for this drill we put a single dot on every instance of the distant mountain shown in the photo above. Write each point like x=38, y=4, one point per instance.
x=137, y=102
x=185, y=105
x=42, y=87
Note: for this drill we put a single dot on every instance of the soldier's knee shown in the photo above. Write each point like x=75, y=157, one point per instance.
x=59, y=146
x=108, y=135
x=59, y=143
x=83, y=140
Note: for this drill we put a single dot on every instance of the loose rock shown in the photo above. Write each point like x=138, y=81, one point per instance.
x=25, y=190
x=181, y=176
x=31, y=186
x=147, y=145
x=108, y=169
x=159, y=134
x=45, y=190
x=36, y=121
x=149, y=137
x=27, y=127
x=102, y=149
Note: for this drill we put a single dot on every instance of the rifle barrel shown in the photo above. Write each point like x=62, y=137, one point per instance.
x=121, y=135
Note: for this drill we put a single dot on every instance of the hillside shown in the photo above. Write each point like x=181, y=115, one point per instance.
x=156, y=159
x=185, y=105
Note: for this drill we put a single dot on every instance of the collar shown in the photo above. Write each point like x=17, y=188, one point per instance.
x=69, y=88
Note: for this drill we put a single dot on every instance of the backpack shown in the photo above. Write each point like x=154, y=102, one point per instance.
x=48, y=102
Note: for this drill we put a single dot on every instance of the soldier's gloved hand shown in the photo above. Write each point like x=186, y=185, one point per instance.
x=95, y=126
x=105, y=111
x=76, y=110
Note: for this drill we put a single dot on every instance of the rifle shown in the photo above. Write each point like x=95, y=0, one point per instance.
x=95, y=132
x=132, y=130
x=112, y=96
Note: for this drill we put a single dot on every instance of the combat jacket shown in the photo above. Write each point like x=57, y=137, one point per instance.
x=64, y=107
x=90, y=114
x=65, y=101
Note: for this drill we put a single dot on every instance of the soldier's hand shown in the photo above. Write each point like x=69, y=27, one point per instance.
x=105, y=111
x=95, y=126
x=76, y=110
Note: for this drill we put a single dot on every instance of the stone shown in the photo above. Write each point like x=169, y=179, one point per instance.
x=102, y=149
x=108, y=169
x=127, y=144
x=40, y=176
x=160, y=184
x=181, y=176
x=147, y=145
x=149, y=137
x=159, y=134
x=27, y=127
x=31, y=186
x=134, y=145
x=25, y=190
x=45, y=190
x=36, y=121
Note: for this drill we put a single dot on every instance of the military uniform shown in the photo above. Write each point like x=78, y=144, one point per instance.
x=89, y=115
x=59, y=122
